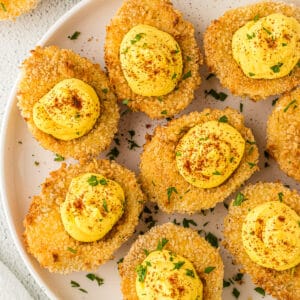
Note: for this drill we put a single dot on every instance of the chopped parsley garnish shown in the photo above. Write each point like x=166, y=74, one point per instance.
x=250, y=142
x=171, y=190
x=174, y=76
x=160, y=98
x=103, y=181
x=250, y=36
x=235, y=293
x=256, y=18
x=146, y=210
x=104, y=204
x=164, y=112
x=36, y=163
x=212, y=239
x=241, y=107
x=186, y=223
x=216, y=173
x=178, y=154
x=190, y=273
x=120, y=260
x=266, y=154
x=223, y=119
x=284, y=44
x=239, y=199
x=93, y=181
x=74, y=36
x=187, y=75
x=251, y=74
x=59, y=158
x=113, y=153
x=288, y=106
x=250, y=150
x=74, y=284
x=274, y=101
x=267, y=31
x=276, y=68
x=209, y=269
x=117, y=141
x=146, y=252
x=260, y=291
x=178, y=265
x=94, y=277
x=137, y=38
x=133, y=144
x=210, y=76
x=3, y=7
x=125, y=101
x=280, y=196
x=218, y=96
x=72, y=250
x=251, y=164
x=298, y=63
x=161, y=244
x=105, y=91
x=226, y=283
x=131, y=133
x=141, y=271
x=188, y=58
x=83, y=290
x=238, y=277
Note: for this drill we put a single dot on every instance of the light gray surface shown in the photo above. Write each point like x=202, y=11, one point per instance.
x=17, y=39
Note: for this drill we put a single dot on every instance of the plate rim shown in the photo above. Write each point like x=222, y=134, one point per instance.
x=12, y=101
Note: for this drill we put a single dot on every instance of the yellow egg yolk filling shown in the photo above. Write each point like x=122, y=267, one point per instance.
x=271, y=236
x=268, y=47
x=151, y=61
x=166, y=276
x=209, y=153
x=92, y=206
x=68, y=111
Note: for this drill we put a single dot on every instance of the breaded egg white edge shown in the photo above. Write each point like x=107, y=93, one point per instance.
x=162, y=15
x=41, y=72
x=182, y=241
x=218, y=52
x=284, y=285
x=158, y=169
x=45, y=237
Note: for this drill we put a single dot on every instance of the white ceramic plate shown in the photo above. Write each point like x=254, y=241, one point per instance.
x=21, y=176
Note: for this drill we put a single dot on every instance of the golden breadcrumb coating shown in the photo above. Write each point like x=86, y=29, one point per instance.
x=218, y=52
x=284, y=285
x=45, y=237
x=185, y=242
x=283, y=133
x=159, y=170
x=10, y=9
x=159, y=14
x=41, y=72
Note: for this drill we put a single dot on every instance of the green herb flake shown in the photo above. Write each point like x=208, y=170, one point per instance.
x=83, y=290
x=188, y=58
x=274, y=101
x=187, y=75
x=72, y=250
x=103, y=181
x=256, y=18
x=251, y=164
x=260, y=291
x=250, y=142
x=137, y=38
x=113, y=153
x=276, y=68
x=171, y=190
x=3, y=7
x=174, y=76
x=94, y=277
x=225, y=283
x=104, y=204
x=216, y=173
x=93, y=181
x=131, y=133
x=267, y=31
x=74, y=284
x=186, y=223
x=209, y=269
x=238, y=277
x=36, y=163
x=120, y=260
x=178, y=265
x=251, y=74
x=105, y=91
x=161, y=244
x=146, y=252
x=218, y=96
x=290, y=104
x=210, y=76
x=241, y=107
x=235, y=293
x=239, y=199
x=212, y=239
x=190, y=273
x=125, y=101
x=164, y=112
x=59, y=158
x=223, y=119
x=298, y=63
x=141, y=272
x=284, y=44
x=74, y=36
x=178, y=154
x=266, y=154
x=280, y=196
x=160, y=99
x=250, y=36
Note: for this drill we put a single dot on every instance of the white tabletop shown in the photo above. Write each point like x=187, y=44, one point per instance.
x=17, y=39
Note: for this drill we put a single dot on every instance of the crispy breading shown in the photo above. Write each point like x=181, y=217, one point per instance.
x=45, y=237
x=160, y=14
x=185, y=242
x=41, y=72
x=283, y=133
x=10, y=9
x=159, y=170
x=218, y=52
x=284, y=285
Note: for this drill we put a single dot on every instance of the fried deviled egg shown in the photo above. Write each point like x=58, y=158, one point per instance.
x=283, y=133
x=262, y=232
x=83, y=214
x=172, y=262
x=152, y=57
x=10, y=9
x=67, y=103
x=198, y=160
x=255, y=50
